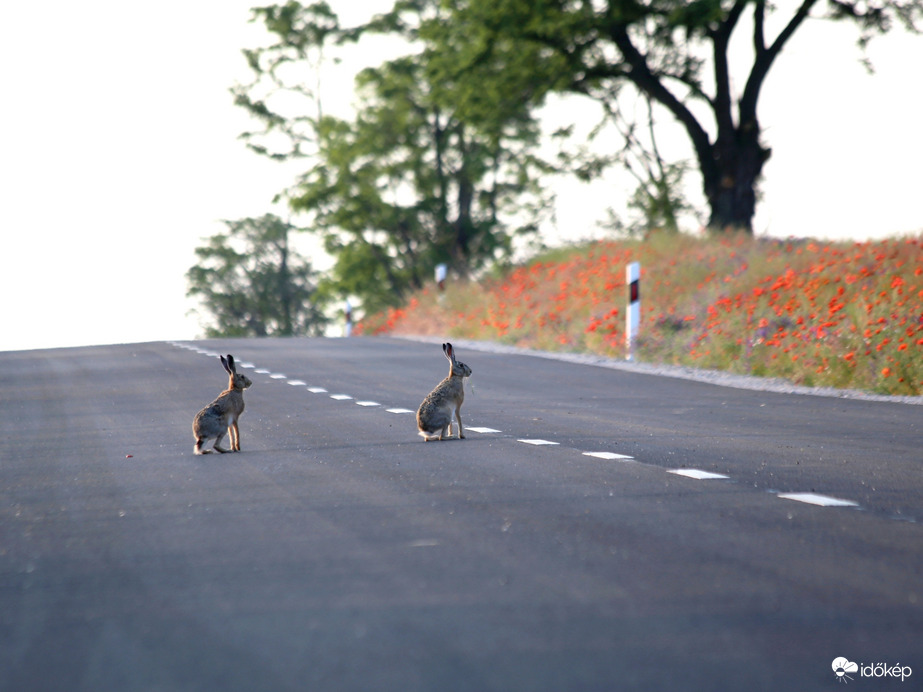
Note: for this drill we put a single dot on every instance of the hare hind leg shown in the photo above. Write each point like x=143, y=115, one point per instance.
x=217, y=446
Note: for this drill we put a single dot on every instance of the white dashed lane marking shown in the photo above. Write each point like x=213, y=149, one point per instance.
x=819, y=500
x=399, y=410
x=698, y=474
x=368, y=404
x=612, y=456
x=341, y=397
x=317, y=390
x=482, y=430
x=424, y=543
x=538, y=443
x=297, y=383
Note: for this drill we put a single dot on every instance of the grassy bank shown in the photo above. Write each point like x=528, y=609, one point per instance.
x=816, y=313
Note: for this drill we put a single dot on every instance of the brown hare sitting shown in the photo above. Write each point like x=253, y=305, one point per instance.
x=220, y=417
x=435, y=413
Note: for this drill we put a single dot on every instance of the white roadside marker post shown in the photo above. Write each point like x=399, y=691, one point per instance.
x=348, y=311
x=633, y=316
x=441, y=271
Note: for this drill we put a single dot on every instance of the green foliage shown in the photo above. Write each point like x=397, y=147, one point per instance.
x=287, y=108
x=676, y=54
x=430, y=171
x=440, y=163
x=250, y=282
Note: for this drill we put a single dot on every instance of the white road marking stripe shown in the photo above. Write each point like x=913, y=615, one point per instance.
x=317, y=390
x=482, y=430
x=277, y=376
x=609, y=455
x=820, y=500
x=341, y=397
x=399, y=410
x=367, y=403
x=538, y=442
x=424, y=543
x=262, y=371
x=697, y=474
x=297, y=383
x=249, y=366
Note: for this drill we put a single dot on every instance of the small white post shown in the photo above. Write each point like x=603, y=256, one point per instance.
x=633, y=316
x=348, y=328
x=441, y=271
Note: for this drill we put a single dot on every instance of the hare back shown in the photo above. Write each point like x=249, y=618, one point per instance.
x=433, y=416
x=450, y=390
x=436, y=410
x=219, y=414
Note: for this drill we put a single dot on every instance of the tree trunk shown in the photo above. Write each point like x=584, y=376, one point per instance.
x=460, y=250
x=285, y=289
x=731, y=177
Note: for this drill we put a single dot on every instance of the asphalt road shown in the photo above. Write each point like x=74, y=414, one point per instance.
x=338, y=551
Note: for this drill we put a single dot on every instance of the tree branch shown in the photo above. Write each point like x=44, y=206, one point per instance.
x=765, y=58
x=720, y=38
x=641, y=75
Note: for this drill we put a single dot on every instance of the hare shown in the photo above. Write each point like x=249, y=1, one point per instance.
x=435, y=413
x=220, y=417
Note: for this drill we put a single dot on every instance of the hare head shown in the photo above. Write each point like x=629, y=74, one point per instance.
x=236, y=381
x=458, y=369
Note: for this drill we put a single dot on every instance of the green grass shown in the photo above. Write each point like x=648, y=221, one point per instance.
x=816, y=313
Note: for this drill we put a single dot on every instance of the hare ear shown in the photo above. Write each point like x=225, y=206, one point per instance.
x=227, y=367
x=232, y=369
x=448, y=351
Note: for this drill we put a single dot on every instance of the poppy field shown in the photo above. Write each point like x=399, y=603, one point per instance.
x=833, y=314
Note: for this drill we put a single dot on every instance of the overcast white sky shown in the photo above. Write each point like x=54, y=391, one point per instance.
x=119, y=153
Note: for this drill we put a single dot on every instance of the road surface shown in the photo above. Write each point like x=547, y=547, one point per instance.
x=597, y=529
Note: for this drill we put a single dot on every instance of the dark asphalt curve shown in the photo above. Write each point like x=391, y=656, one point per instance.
x=338, y=551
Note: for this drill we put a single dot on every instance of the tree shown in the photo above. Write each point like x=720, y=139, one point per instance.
x=658, y=201
x=409, y=184
x=677, y=54
x=301, y=35
x=424, y=174
x=250, y=282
